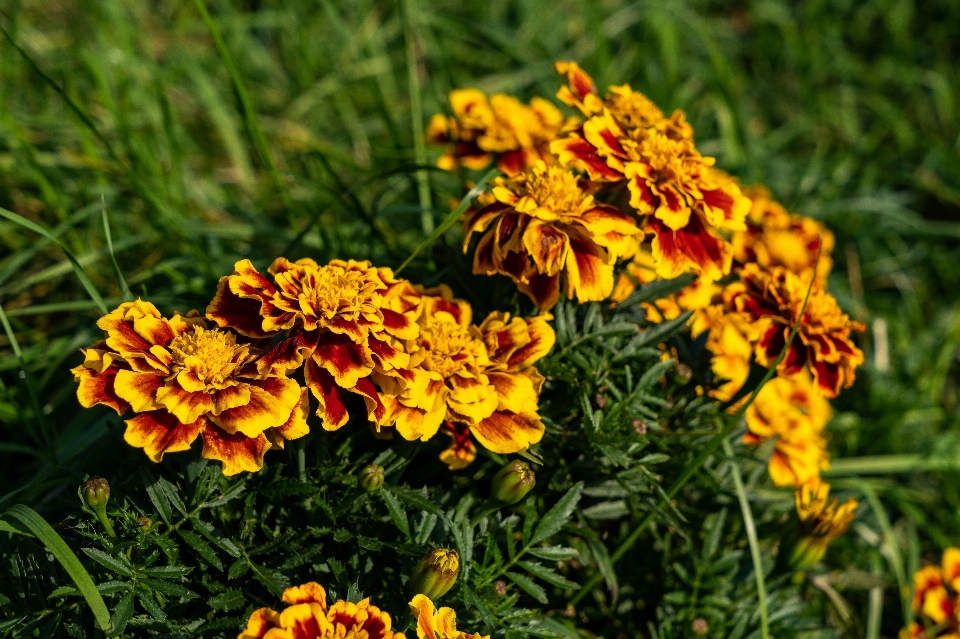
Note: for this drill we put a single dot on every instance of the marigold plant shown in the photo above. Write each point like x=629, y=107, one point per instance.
x=185, y=379
x=936, y=599
x=499, y=127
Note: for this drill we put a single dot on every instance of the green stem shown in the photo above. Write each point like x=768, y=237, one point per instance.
x=694, y=467
x=416, y=119
x=105, y=521
x=887, y=464
x=751, y=529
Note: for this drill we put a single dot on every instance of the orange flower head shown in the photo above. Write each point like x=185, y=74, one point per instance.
x=936, y=599
x=307, y=617
x=437, y=624
x=544, y=228
x=793, y=411
x=819, y=517
x=185, y=379
x=343, y=321
x=773, y=237
x=480, y=377
x=773, y=298
x=501, y=127
x=627, y=139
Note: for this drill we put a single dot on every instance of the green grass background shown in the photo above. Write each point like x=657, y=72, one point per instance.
x=847, y=110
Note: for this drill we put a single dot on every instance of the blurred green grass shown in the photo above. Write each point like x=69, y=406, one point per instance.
x=847, y=110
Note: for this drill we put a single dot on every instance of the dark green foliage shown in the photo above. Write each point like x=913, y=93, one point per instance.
x=124, y=136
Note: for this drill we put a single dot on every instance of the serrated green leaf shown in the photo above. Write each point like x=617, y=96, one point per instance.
x=169, y=588
x=229, y=600
x=471, y=600
x=548, y=575
x=157, y=496
x=112, y=587
x=114, y=564
x=605, y=566
x=557, y=516
x=665, y=330
x=553, y=553
x=232, y=493
x=607, y=510
x=417, y=500
x=121, y=615
x=657, y=289
x=397, y=512
x=529, y=586
x=167, y=545
x=168, y=572
x=150, y=605
x=63, y=591
x=201, y=547
x=223, y=543
x=172, y=494
x=238, y=568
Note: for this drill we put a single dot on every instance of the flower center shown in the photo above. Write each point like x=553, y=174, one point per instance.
x=329, y=291
x=554, y=188
x=449, y=345
x=213, y=356
x=633, y=109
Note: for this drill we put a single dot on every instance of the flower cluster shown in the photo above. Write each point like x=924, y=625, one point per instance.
x=307, y=616
x=413, y=356
x=685, y=202
x=500, y=127
x=936, y=599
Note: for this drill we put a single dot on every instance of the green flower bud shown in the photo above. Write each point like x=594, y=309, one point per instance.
x=371, y=477
x=96, y=494
x=512, y=483
x=436, y=573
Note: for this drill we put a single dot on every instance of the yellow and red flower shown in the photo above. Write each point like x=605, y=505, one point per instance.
x=626, y=139
x=773, y=298
x=821, y=521
x=308, y=617
x=642, y=270
x=186, y=379
x=544, y=227
x=479, y=376
x=793, y=411
x=437, y=624
x=936, y=599
x=774, y=237
x=343, y=321
x=462, y=450
x=500, y=127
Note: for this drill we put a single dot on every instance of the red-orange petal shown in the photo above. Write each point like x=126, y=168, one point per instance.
x=506, y=432
x=343, y=358
x=158, y=432
x=237, y=452
x=332, y=409
x=99, y=389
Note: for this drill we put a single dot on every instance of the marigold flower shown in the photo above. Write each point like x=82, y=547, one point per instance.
x=773, y=237
x=185, y=379
x=792, y=410
x=480, y=376
x=437, y=624
x=307, y=617
x=343, y=321
x=499, y=126
x=821, y=521
x=627, y=139
x=936, y=599
x=544, y=225
x=773, y=298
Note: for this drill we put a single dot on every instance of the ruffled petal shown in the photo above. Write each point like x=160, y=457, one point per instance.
x=332, y=409
x=547, y=245
x=515, y=392
x=262, y=620
x=158, y=432
x=296, y=425
x=270, y=405
x=185, y=406
x=542, y=339
x=343, y=358
x=505, y=432
x=236, y=451
x=289, y=353
x=310, y=592
x=99, y=388
x=589, y=271
x=140, y=391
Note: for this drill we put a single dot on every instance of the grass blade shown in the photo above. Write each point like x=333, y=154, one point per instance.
x=246, y=103
x=416, y=118
x=752, y=540
x=15, y=345
x=124, y=289
x=454, y=215
x=81, y=274
x=59, y=549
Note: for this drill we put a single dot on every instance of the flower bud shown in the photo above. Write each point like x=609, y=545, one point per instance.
x=371, y=477
x=513, y=482
x=436, y=573
x=96, y=494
